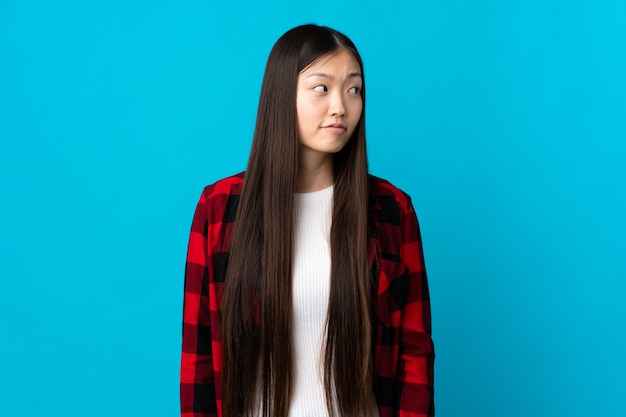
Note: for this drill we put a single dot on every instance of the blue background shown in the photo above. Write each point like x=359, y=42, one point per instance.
x=505, y=121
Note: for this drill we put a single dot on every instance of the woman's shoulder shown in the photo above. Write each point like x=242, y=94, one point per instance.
x=383, y=190
x=219, y=200
x=224, y=187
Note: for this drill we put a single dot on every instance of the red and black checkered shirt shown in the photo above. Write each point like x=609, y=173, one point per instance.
x=403, y=351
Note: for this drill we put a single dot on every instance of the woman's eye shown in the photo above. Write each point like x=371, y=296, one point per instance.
x=320, y=88
x=354, y=90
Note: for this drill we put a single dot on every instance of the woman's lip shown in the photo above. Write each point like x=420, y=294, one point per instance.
x=336, y=130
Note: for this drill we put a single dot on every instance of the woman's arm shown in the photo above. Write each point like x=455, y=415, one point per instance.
x=197, y=379
x=414, y=387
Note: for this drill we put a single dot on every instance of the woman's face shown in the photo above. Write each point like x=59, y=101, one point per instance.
x=328, y=104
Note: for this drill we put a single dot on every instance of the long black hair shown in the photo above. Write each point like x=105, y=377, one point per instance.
x=256, y=305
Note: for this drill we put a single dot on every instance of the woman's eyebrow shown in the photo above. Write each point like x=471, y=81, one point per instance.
x=324, y=75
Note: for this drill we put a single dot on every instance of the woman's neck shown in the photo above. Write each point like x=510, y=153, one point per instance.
x=315, y=175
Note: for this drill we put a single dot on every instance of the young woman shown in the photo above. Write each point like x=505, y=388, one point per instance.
x=305, y=287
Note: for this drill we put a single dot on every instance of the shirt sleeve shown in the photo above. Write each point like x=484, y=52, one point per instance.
x=197, y=379
x=414, y=390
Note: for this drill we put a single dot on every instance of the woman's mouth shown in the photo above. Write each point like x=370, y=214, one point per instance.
x=336, y=128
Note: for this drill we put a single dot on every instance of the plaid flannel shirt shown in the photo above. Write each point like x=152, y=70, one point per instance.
x=403, y=351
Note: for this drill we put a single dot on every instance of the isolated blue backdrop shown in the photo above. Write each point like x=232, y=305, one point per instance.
x=505, y=121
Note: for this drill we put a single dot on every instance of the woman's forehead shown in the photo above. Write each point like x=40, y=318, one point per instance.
x=341, y=59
